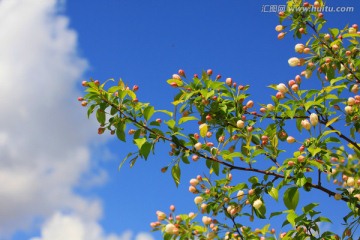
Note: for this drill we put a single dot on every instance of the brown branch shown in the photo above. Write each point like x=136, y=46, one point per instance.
x=230, y=166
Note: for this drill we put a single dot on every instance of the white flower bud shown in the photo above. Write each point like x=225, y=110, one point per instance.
x=314, y=119
x=257, y=204
x=282, y=88
x=240, y=124
x=198, y=200
x=294, y=61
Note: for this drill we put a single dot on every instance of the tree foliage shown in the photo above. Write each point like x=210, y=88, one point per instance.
x=234, y=137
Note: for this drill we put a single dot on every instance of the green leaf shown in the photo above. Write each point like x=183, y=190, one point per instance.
x=334, y=31
x=322, y=219
x=145, y=149
x=120, y=132
x=166, y=112
x=124, y=160
x=274, y=193
x=291, y=198
x=148, y=112
x=273, y=214
x=291, y=217
x=261, y=212
x=139, y=142
x=100, y=116
x=178, y=82
x=332, y=121
x=175, y=172
x=309, y=207
x=171, y=123
x=185, y=119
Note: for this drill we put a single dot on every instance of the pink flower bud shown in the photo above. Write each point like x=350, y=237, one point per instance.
x=228, y=81
x=194, y=182
x=172, y=208
x=192, y=189
x=195, y=158
x=281, y=35
x=206, y=220
x=351, y=101
x=279, y=95
x=305, y=124
x=250, y=104
x=160, y=215
x=176, y=76
x=295, y=87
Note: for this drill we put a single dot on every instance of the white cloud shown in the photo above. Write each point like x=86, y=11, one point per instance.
x=44, y=133
x=74, y=227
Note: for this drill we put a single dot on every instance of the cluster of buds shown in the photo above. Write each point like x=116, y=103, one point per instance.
x=194, y=182
x=353, y=104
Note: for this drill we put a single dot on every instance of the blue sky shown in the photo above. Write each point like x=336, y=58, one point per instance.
x=60, y=172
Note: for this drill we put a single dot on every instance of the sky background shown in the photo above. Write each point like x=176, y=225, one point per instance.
x=60, y=180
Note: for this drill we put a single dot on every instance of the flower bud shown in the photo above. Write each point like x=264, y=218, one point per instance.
x=307, y=50
x=192, y=189
x=355, y=88
x=295, y=87
x=279, y=28
x=176, y=76
x=290, y=139
x=228, y=82
x=160, y=215
x=294, y=61
x=350, y=181
x=250, y=104
x=314, y=119
x=279, y=95
x=299, y=48
x=301, y=158
x=257, y=204
x=351, y=101
x=282, y=88
x=281, y=35
x=198, y=146
x=194, y=182
x=305, y=124
x=206, y=220
x=270, y=107
x=198, y=200
x=195, y=158
x=352, y=30
x=169, y=228
x=337, y=196
x=240, y=124
x=349, y=110
x=240, y=195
